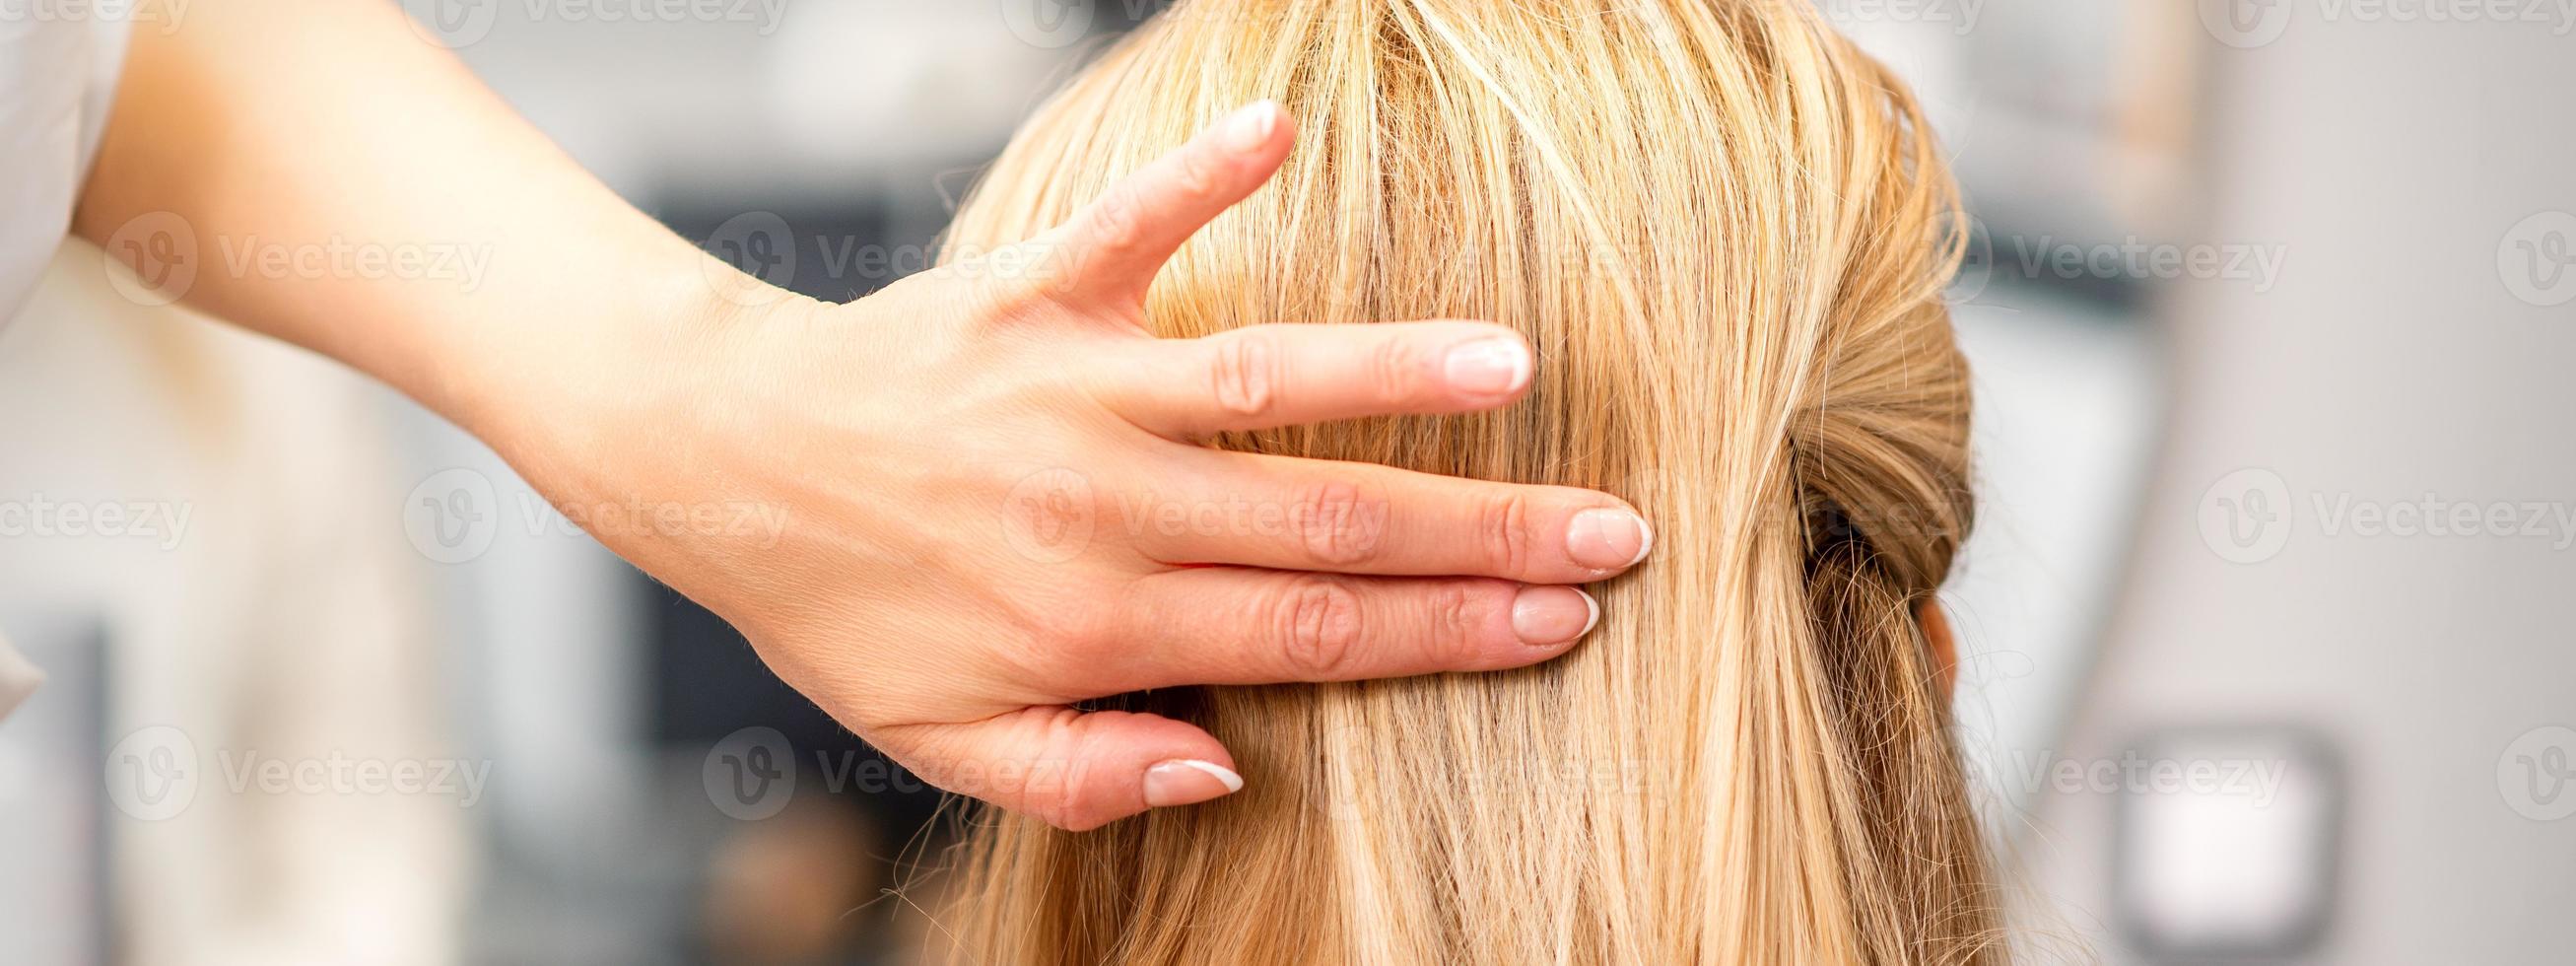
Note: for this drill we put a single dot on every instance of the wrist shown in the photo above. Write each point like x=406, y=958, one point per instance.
x=645, y=345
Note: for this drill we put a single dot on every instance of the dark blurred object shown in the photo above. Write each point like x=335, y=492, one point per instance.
x=793, y=890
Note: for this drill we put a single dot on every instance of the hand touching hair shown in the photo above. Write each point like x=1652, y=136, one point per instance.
x=1722, y=227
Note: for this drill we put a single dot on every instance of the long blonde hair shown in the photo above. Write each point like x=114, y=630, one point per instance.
x=1723, y=228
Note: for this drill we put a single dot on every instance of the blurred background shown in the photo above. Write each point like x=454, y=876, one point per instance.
x=2267, y=621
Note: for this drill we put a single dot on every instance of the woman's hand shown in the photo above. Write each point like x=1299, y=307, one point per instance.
x=984, y=498
x=993, y=509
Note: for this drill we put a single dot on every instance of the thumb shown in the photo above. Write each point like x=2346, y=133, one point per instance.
x=1071, y=769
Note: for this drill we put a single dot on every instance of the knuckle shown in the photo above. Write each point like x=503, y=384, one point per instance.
x=1319, y=628
x=1457, y=621
x=988, y=296
x=1197, y=178
x=1118, y=222
x=1029, y=270
x=1503, y=526
x=1339, y=524
x=1246, y=374
x=1081, y=650
x=1065, y=803
x=1009, y=299
x=1068, y=648
x=1396, y=371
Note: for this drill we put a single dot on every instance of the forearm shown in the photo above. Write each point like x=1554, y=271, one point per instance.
x=345, y=186
x=917, y=452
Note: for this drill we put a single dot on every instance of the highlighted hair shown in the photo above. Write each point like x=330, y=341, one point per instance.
x=1723, y=228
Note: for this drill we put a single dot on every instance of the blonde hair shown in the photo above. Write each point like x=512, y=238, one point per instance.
x=1723, y=229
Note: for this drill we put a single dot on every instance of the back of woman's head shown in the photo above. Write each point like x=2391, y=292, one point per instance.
x=1720, y=226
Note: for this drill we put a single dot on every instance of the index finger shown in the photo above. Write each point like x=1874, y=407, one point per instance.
x=1121, y=240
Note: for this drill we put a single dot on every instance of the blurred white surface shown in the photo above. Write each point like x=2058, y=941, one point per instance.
x=261, y=605
x=2391, y=160
x=2067, y=404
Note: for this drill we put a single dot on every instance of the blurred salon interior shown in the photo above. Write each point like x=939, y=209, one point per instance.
x=2265, y=624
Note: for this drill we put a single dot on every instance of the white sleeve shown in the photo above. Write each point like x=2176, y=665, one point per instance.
x=57, y=79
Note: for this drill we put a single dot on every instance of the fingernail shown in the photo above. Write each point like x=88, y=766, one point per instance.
x=1608, y=539
x=1488, y=367
x=1553, y=615
x=1251, y=127
x=1188, y=781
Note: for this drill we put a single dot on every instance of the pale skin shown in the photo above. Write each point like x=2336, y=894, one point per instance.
x=925, y=446
x=1943, y=644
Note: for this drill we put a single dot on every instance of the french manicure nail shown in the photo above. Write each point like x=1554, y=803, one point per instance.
x=1188, y=781
x=1553, y=615
x=1251, y=127
x=1608, y=539
x=1488, y=367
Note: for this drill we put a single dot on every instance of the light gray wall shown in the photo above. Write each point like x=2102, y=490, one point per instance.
x=2389, y=160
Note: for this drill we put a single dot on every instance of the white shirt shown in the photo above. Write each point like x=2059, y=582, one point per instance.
x=58, y=68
